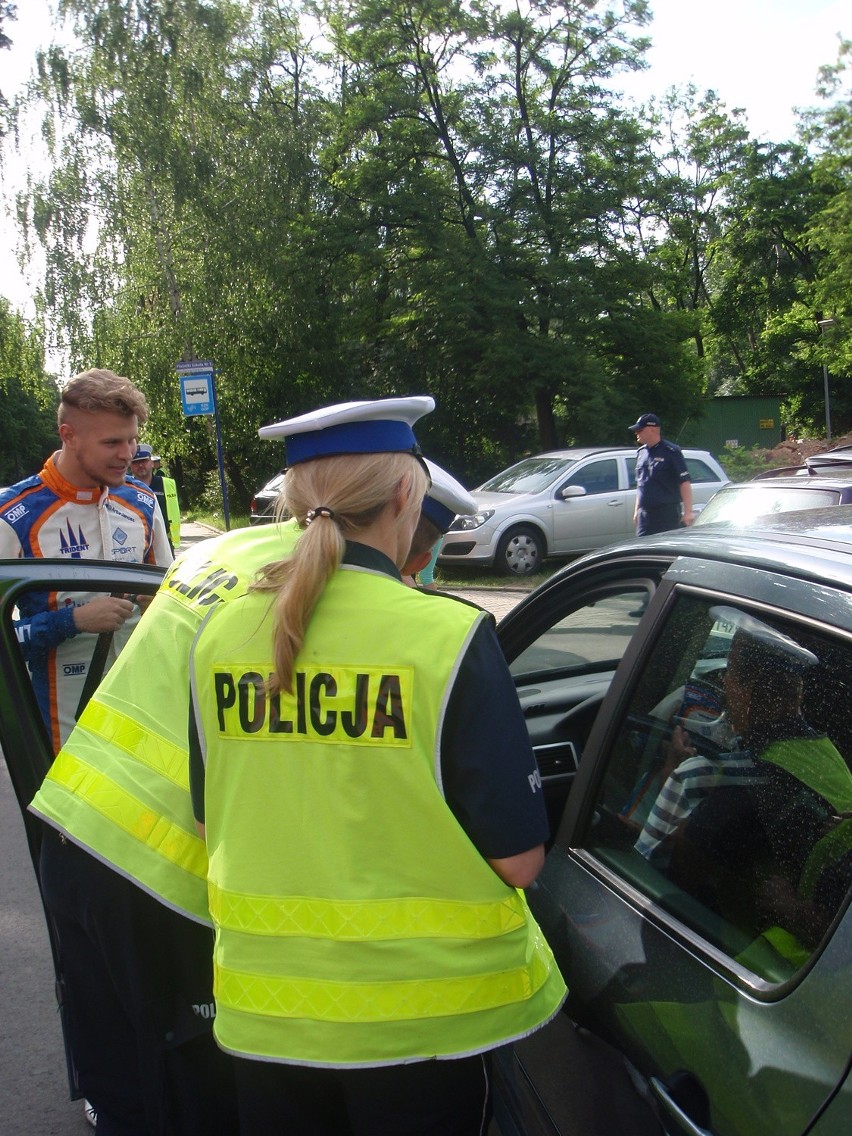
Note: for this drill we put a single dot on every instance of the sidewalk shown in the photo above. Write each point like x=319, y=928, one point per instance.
x=499, y=601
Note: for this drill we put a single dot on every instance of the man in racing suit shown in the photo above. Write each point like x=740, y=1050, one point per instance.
x=80, y=507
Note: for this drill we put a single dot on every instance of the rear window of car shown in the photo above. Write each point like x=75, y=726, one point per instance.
x=741, y=506
x=700, y=471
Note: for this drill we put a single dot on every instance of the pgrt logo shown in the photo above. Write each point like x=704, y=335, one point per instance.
x=74, y=669
x=16, y=513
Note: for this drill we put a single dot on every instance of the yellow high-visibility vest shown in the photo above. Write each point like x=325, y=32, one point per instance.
x=172, y=509
x=119, y=786
x=356, y=923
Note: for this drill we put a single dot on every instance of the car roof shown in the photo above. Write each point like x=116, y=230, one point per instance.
x=836, y=479
x=841, y=455
x=810, y=543
x=577, y=452
x=833, y=524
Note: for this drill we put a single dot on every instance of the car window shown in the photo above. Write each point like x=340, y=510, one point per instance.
x=529, y=476
x=699, y=470
x=596, y=477
x=591, y=637
x=742, y=505
x=727, y=797
x=62, y=671
x=274, y=485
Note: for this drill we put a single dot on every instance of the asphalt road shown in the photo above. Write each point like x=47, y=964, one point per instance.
x=34, y=1098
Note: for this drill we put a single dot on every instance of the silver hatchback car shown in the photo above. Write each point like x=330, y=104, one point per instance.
x=560, y=503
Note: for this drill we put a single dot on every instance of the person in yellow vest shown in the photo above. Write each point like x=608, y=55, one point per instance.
x=162, y=483
x=770, y=843
x=119, y=791
x=366, y=843
x=144, y=469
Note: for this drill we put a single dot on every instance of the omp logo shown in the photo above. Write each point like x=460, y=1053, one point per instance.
x=74, y=669
x=74, y=545
x=16, y=513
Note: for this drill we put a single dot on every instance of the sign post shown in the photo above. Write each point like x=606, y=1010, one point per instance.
x=198, y=396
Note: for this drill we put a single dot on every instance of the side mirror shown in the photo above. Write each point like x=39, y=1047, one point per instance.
x=571, y=491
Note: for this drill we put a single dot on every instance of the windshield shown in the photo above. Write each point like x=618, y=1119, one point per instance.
x=531, y=475
x=590, y=639
x=742, y=505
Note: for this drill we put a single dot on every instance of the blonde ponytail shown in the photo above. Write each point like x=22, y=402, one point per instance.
x=333, y=499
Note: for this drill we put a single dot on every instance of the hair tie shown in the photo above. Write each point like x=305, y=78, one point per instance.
x=319, y=511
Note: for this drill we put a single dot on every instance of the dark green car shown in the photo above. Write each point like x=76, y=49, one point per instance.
x=696, y=893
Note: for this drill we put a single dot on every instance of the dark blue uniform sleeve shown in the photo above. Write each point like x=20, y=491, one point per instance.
x=679, y=463
x=488, y=768
x=196, y=765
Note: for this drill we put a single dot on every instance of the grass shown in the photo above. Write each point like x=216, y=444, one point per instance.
x=464, y=576
x=469, y=577
x=216, y=518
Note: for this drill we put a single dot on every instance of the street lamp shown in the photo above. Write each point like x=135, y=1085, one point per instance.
x=823, y=324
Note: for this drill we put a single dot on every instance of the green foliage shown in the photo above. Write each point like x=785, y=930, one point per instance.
x=28, y=399
x=742, y=464
x=8, y=13
x=338, y=200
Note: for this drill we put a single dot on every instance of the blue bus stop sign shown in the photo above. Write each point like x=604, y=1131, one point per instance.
x=196, y=388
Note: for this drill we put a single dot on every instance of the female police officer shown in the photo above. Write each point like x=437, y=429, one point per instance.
x=370, y=808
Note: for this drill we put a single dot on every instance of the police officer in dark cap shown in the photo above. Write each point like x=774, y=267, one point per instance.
x=663, y=486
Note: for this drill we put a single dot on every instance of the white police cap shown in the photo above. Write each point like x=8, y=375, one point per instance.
x=777, y=647
x=377, y=426
x=446, y=498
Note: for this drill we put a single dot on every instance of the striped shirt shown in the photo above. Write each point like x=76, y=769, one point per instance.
x=687, y=786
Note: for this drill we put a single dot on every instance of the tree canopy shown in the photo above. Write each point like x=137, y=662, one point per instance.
x=28, y=399
x=346, y=198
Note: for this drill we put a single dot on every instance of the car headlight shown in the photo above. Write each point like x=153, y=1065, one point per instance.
x=464, y=524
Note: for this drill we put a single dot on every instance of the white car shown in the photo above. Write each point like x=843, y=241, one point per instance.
x=561, y=503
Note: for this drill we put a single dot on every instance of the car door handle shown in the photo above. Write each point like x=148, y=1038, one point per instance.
x=615, y=502
x=683, y=1084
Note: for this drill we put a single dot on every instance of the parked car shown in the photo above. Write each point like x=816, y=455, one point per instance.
x=262, y=508
x=683, y=963
x=741, y=505
x=560, y=503
x=689, y=1011
x=813, y=464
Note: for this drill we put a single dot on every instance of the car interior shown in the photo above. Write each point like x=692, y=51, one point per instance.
x=742, y=834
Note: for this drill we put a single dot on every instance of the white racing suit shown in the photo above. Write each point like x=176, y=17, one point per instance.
x=46, y=516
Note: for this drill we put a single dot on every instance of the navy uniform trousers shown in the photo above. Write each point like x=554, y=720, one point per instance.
x=659, y=518
x=424, y=1098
